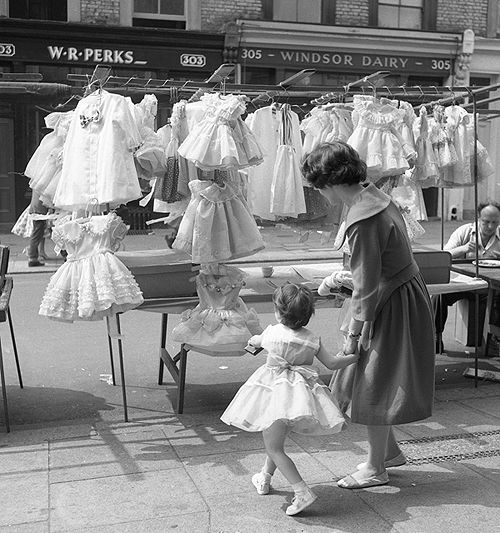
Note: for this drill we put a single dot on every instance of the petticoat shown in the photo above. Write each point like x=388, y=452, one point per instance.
x=24, y=225
x=293, y=394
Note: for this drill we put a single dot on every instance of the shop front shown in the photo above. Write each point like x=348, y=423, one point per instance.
x=55, y=50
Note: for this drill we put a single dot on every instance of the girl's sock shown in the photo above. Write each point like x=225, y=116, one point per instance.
x=300, y=487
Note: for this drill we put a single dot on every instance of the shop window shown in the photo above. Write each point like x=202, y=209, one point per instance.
x=39, y=9
x=476, y=81
x=305, y=11
x=160, y=13
x=404, y=14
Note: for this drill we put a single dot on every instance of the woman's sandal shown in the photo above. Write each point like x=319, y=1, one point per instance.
x=350, y=482
x=399, y=460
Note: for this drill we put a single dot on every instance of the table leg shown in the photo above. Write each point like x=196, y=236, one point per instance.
x=14, y=345
x=4, y=393
x=163, y=342
x=122, y=371
x=486, y=327
x=182, y=378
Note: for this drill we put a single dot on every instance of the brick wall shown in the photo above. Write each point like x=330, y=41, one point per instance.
x=458, y=15
x=352, y=12
x=215, y=13
x=100, y=11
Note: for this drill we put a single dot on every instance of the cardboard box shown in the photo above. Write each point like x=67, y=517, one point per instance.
x=161, y=273
x=435, y=266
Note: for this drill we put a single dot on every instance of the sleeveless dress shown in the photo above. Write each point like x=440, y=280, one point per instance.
x=286, y=388
x=221, y=321
x=93, y=282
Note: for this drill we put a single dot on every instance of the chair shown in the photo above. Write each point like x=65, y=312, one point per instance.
x=6, y=285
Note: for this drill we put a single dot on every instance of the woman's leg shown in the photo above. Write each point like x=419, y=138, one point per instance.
x=392, y=449
x=274, y=440
x=378, y=437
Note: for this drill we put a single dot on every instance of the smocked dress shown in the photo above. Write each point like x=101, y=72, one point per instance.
x=93, y=282
x=221, y=321
x=217, y=225
x=394, y=376
x=286, y=388
x=378, y=140
x=221, y=139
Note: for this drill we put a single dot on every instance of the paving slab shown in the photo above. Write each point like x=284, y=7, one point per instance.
x=109, y=454
x=24, y=498
x=120, y=499
x=445, y=506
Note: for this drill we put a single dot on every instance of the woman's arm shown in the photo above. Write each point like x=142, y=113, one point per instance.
x=334, y=362
x=256, y=340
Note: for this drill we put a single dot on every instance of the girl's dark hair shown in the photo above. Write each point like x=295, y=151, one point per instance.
x=294, y=304
x=334, y=163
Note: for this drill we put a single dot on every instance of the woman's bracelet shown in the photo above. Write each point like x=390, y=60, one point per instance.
x=353, y=335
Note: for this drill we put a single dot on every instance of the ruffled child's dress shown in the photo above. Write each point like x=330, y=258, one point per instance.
x=45, y=166
x=286, y=388
x=221, y=321
x=217, y=225
x=93, y=282
x=221, y=139
x=377, y=139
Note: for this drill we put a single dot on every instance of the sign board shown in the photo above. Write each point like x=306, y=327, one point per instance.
x=342, y=61
x=114, y=55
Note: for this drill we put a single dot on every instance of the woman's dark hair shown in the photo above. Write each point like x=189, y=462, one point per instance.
x=294, y=304
x=334, y=163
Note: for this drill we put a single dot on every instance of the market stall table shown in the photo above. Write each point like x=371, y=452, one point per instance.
x=492, y=277
x=258, y=294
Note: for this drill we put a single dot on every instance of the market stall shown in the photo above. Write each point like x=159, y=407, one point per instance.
x=212, y=173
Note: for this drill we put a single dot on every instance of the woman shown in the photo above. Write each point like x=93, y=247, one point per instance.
x=391, y=314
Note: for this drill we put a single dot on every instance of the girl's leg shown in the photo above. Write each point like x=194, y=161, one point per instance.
x=274, y=440
x=269, y=466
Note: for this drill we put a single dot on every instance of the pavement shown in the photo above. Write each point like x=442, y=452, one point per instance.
x=191, y=473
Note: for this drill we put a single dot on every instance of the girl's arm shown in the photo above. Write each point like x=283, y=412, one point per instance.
x=340, y=360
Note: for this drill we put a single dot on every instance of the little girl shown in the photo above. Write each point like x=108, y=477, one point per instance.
x=286, y=393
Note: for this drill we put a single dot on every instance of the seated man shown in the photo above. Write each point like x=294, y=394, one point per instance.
x=462, y=245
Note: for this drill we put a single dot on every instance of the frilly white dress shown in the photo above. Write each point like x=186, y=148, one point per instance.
x=45, y=166
x=217, y=225
x=221, y=139
x=93, y=282
x=221, y=321
x=377, y=139
x=286, y=388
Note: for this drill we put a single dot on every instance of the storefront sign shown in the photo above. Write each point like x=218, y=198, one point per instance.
x=341, y=61
x=153, y=57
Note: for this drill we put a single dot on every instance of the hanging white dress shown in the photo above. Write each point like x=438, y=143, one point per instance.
x=98, y=161
x=287, y=189
x=221, y=139
x=45, y=165
x=217, y=225
x=221, y=321
x=93, y=282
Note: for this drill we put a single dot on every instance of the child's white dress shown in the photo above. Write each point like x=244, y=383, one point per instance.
x=286, y=388
x=217, y=225
x=221, y=321
x=221, y=139
x=93, y=282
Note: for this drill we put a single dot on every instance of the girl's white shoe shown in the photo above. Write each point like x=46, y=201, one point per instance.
x=300, y=502
x=262, y=482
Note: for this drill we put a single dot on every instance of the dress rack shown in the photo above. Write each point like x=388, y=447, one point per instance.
x=428, y=96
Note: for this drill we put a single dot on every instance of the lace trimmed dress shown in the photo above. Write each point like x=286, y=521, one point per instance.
x=378, y=141
x=221, y=321
x=93, y=282
x=286, y=388
x=221, y=139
